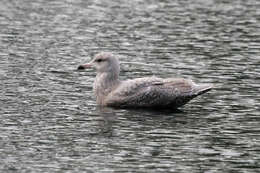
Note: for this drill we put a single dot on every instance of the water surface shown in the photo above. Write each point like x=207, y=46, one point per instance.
x=50, y=122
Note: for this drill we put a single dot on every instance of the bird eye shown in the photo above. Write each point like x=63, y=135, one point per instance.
x=99, y=60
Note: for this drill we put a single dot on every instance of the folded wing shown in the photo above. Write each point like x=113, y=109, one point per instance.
x=154, y=92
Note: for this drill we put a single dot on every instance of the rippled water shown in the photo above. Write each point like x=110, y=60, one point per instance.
x=49, y=121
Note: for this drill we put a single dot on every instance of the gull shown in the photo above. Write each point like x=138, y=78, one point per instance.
x=146, y=92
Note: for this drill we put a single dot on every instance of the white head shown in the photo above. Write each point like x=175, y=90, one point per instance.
x=104, y=62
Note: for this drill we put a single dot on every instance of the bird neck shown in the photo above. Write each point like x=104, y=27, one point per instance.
x=104, y=84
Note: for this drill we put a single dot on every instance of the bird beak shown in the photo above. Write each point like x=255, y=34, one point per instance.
x=84, y=66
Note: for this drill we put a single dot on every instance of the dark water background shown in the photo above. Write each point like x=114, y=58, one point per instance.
x=49, y=121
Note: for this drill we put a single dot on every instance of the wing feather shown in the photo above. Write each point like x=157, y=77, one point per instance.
x=147, y=92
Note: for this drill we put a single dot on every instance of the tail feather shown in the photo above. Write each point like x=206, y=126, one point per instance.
x=202, y=88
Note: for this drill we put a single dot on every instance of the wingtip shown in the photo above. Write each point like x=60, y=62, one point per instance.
x=203, y=88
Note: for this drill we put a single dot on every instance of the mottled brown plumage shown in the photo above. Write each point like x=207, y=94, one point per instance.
x=140, y=92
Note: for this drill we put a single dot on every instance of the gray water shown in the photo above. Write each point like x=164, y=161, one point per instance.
x=49, y=121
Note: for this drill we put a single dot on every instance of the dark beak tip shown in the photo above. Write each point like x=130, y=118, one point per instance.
x=81, y=67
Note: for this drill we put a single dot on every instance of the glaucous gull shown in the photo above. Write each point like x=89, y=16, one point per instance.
x=146, y=92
